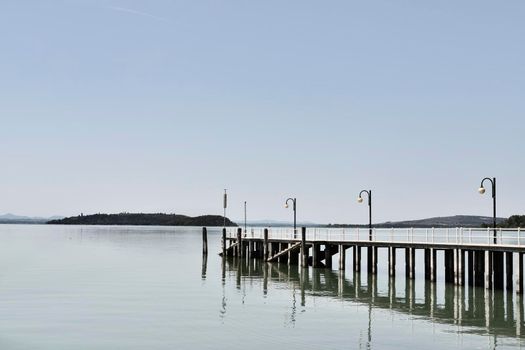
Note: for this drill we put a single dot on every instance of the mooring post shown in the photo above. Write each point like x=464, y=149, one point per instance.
x=204, y=241
x=519, y=281
x=239, y=242
x=265, y=247
x=304, y=251
x=509, y=260
x=342, y=257
x=224, y=241
x=392, y=261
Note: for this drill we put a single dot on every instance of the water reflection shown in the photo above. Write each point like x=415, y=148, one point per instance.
x=473, y=310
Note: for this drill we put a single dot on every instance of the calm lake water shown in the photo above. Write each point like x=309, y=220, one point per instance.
x=149, y=288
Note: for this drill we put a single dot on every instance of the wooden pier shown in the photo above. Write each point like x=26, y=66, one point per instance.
x=479, y=257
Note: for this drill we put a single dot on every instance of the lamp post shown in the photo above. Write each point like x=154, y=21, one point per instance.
x=360, y=200
x=294, y=201
x=481, y=190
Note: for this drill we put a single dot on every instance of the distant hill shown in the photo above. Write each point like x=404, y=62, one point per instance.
x=445, y=221
x=143, y=219
x=17, y=219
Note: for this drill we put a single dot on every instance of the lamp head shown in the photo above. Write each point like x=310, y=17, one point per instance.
x=360, y=199
x=286, y=205
x=481, y=190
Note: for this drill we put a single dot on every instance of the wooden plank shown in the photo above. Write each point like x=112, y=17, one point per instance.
x=283, y=252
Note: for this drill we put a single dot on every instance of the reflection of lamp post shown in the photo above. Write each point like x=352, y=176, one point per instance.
x=294, y=200
x=481, y=190
x=360, y=200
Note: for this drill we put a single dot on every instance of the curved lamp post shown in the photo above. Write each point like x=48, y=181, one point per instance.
x=360, y=200
x=294, y=201
x=481, y=190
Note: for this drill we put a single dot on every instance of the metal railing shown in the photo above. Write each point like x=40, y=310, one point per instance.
x=453, y=236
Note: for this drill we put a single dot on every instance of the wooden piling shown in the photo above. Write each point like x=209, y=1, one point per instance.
x=410, y=262
x=224, y=242
x=519, y=279
x=479, y=268
x=497, y=262
x=470, y=267
x=461, y=267
x=357, y=258
x=266, y=252
x=374, y=260
x=370, y=260
x=427, y=264
x=449, y=266
x=328, y=255
x=342, y=257
x=240, y=250
x=392, y=261
x=204, y=241
x=433, y=264
x=509, y=267
x=488, y=269
x=304, y=250
x=316, y=255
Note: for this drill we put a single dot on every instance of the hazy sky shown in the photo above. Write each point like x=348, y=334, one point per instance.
x=157, y=106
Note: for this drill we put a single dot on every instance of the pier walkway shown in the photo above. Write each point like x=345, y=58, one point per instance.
x=480, y=257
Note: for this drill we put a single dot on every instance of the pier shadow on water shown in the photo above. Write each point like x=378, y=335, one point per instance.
x=472, y=310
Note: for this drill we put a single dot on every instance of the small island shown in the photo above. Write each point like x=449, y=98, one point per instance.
x=158, y=219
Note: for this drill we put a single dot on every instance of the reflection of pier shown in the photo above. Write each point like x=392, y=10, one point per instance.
x=474, y=256
x=476, y=310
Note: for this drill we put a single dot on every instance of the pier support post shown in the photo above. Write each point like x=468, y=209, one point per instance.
x=304, y=250
x=449, y=266
x=433, y=264
x=224, y=242
x=374, y=260
x=266, y=252
x=240, y=249
x=392, y=261
x=427, y=264
x=479, y=268
x=509, y=267
x=316, y=255
x=461, y=267
x=488, y=270
x=342, y=257
x=497, y=261
x=204, y=241
x=328, y=255
x=470, y=261
x=357, y=258
x=369, y=259
x=410, y=261
x=519, y=279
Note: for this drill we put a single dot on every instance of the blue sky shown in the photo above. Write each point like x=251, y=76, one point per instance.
x=156, y=106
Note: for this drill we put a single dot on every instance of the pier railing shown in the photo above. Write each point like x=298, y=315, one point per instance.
x=454, y=236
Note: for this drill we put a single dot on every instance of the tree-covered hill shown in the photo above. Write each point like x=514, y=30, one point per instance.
x=158, y=219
